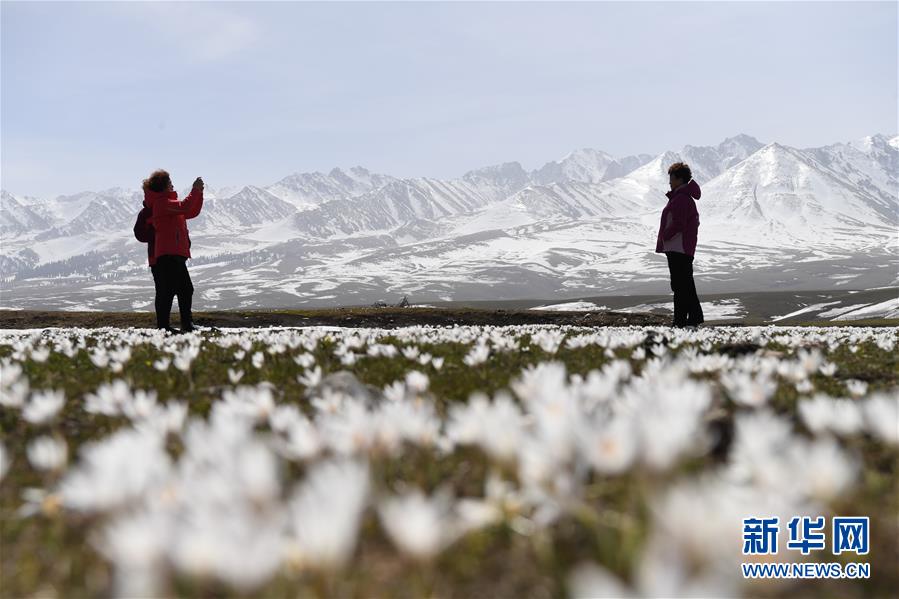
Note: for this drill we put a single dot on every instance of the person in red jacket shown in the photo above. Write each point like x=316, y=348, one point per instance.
x=171, y=245
x=677, y=240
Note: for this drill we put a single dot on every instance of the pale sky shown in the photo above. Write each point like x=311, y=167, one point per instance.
x=96, y=95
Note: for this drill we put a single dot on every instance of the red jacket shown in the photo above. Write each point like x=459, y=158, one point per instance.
x=684, y=218
x=169, y=219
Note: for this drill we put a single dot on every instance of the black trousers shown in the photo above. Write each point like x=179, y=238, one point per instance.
x=171, y=279
x=687, y=310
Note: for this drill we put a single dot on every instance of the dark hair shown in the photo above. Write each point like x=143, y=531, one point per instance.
x=681, y=171
x=159, y=180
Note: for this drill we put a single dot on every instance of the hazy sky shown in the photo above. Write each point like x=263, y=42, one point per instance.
x=96, y=95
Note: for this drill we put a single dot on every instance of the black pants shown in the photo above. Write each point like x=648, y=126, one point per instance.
x=171, y=278
x=687, y=310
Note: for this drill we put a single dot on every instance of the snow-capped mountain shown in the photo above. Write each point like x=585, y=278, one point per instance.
x=16, y=217
x=248, y=207
x=306, y=190
x=772, y=217
x=785, y=194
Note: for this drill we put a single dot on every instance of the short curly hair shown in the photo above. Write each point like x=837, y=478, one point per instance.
x=681, y=170
x=159, y=180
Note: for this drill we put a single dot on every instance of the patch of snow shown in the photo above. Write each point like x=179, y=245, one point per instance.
x=812, y=308
x=887, y=309
x=572, y=307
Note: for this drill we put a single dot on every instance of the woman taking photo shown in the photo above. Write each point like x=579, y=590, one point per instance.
x=171, y=245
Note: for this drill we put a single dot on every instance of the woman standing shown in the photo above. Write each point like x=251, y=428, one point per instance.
x=677, y=239
x=168, y=216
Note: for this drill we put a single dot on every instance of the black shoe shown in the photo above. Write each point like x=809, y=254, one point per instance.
x=171, y=331
x=188, y=329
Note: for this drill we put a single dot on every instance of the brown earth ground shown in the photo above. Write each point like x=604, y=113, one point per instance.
x=362, y=317
x=346, y=317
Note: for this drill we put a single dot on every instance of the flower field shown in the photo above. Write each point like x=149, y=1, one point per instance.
x=467, y=461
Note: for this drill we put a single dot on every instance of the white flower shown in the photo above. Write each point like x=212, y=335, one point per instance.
x=856, y=387
x=419, y=526
x=136, y=543
x=258, y=359
x=827, y=369
x=41, y=354
x=497, y=426
x=305, y=360
x=251, y=402
x=748, y=390
x=589, y=580
x=108, y=399
x=416, y=381
x=822, y=413
x=881, y=412
x=609, y=448
x=100, y=358
x=162, y=364
x=395, y=391
x=118, y=469
x=412, y=421
x=437, y=363
x=325, y=513
x=311, y=378
x=234, y=376
x=43, y=406
x=47, y=453
x=822, y=469
x=478, y=354
x=549, y=340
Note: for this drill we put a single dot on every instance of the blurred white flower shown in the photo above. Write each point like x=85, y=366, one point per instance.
x=304, y=360
x=822, y=470
x=325, y=513
x=589, y=580
x=478, y=354
x=827, y=369
x=136, y=544
x=416, y=381
x=47, y=453
x=856, y=388
x=611, y=447
x=311, y=378
x=43, y=406
x=821, y=413
x=881, y=412
x=748, y=390
x=40, y=354
x=116, y=470
x=497, y=426
x=234, y=376
x=419, y=526
x=109, y=398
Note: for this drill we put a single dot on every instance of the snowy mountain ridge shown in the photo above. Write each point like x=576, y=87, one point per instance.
x=585, y=222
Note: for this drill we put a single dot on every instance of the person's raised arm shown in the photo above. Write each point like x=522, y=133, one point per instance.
x=189, y=208
x=194, y=201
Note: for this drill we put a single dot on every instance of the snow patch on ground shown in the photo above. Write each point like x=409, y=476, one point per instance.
x=571, y=307
x=887, y=309
x=812, y=308
x=727, y=309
